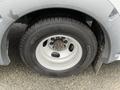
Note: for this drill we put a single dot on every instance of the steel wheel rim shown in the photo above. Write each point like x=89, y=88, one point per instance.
x=59, y=56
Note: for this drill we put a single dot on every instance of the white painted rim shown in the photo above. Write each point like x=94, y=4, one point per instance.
x=66, y=60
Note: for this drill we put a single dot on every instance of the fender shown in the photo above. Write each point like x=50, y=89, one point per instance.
x=11, y=10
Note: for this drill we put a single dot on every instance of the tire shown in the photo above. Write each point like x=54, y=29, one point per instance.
x=67, y=27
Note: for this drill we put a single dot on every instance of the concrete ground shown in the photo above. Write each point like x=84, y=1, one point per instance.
x=17, y=76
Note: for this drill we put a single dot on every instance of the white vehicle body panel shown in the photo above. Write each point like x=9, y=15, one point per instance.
x=116, y=4
x=11, y=10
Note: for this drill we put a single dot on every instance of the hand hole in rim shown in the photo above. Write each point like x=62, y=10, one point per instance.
x=71, y=47
x=55, y=54
x=45, y=43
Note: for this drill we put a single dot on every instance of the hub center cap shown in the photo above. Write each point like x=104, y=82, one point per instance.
x=59, y=45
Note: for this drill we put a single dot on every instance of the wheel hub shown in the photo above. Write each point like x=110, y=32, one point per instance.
x=58, y=43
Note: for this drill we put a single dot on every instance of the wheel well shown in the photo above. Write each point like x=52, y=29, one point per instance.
x=36, y=16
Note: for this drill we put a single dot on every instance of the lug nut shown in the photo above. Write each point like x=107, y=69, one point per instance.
x=52, y=39
x=51, y=43
x=57, y=38
x=65, y=41
x=63, y=38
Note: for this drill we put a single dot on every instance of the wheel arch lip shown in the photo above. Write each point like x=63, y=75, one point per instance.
x=12, y=15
